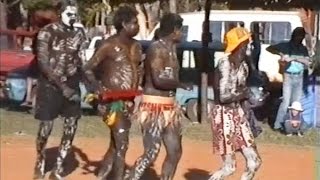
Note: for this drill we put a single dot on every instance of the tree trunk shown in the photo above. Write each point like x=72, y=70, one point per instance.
x=97, y=19
x=164, y=8
x=147, y=20
x=3, y=24
x=173, y=6
x=200, y=6
x=308, y=18
x=102, y=21
x=187, y=6
x=3, y=15
x=104, y=14
x=142, y=20
x=153, y=12
x=24, y=14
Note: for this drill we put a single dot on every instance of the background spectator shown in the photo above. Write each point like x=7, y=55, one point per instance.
x=294, y=123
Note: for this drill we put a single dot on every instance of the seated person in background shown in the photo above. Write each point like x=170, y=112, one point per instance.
x=294, y=123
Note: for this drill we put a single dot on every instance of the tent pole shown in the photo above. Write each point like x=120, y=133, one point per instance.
x=204, y=59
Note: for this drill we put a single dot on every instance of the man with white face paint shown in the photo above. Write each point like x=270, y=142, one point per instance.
x=59, y=52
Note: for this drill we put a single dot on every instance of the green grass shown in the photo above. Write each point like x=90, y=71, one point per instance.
x=13, y=122
x=317, y=165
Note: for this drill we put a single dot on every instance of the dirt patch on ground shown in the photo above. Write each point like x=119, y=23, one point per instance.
x=279, y=162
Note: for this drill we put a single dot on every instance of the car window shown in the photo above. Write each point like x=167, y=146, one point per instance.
x=219, y=28
x=186, y=59
x=97, y=44
x=273, y=32
x=185, y=30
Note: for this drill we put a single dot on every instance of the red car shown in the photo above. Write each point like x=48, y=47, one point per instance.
x=11, y=57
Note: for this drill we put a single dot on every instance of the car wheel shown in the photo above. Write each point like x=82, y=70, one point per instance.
x=192, y=110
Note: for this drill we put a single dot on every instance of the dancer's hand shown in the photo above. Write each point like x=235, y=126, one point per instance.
x=89, y=98
x=242, y=94
x=68, y=92
x=246, y=93
x=101, y=109
x=75, y=98
x=98, y=89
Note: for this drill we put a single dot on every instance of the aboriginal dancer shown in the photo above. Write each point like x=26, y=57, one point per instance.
x=59, y=54
x=230, y=127
x=158, y=113
x=118, y=60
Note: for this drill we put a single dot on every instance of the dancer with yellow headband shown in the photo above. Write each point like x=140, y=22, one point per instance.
x=231, y=130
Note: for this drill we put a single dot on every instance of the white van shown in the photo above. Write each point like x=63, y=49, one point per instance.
x=274, y=26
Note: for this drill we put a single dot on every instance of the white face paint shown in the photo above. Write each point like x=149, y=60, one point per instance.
x=69, y=15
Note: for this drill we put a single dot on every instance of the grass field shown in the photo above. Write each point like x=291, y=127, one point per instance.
x=22, y=123
x=281, y=155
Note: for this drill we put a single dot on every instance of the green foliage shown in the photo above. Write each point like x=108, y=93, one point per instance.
x=33, y=5
x=88, y=13
x=117, y=2
x=89, y=8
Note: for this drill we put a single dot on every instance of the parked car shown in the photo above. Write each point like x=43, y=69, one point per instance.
x=274, y=27
x=14, y=64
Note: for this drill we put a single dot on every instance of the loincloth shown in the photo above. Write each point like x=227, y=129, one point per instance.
x=116, y=111
x=230, y=129
x=162, y=110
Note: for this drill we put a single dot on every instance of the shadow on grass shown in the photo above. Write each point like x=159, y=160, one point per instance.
x=70, y=164
x=87, y=162
x=93, y=167
x=15, y=107
x=196, y=174
x=149, y=174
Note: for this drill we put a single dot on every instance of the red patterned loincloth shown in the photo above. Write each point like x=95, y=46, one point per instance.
x=231, y=130
x=163, y=110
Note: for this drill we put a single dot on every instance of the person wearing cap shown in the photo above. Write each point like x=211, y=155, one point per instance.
x=294, y=120
x=230, y=127
x=294, y=59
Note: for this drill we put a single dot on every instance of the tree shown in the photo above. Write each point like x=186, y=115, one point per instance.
x=3, y=15
x=173, y=6
x=3, y=22
x=97, y=13
x=149, y=13
x=34, y=5
x=94, y=12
